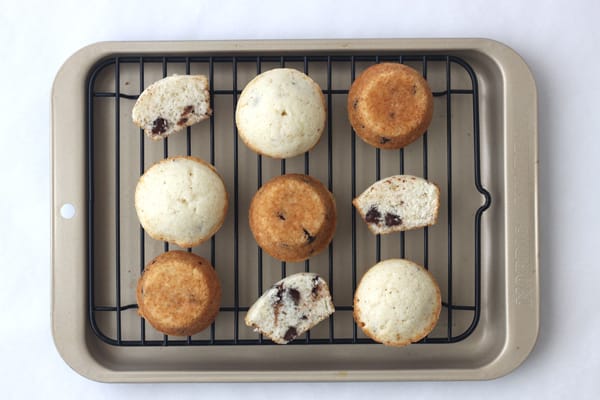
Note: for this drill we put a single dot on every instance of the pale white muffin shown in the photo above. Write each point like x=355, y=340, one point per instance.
x=171, y=104
x=397, y=302
x=291, y=307
x=399, y=203
x=281, y=113
x=181, y=200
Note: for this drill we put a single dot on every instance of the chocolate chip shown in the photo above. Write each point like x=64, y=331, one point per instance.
x=355, y=104
x=373, y=216
x=383, y=139
x=315, y=290
x=182, y=121
x=277, y=306
x=392, y=219
x=290, y=334
x=316, y=286
x=281, y=216
x=414, y=89
x=187, y=110
x=309, y=238
x=295, y=295
x=159, y=126
x=304, y=317
x=279, y=292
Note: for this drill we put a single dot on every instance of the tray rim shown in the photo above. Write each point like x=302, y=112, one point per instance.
x=520, y=171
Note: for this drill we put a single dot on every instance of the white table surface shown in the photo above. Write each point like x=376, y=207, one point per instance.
x=560, y=40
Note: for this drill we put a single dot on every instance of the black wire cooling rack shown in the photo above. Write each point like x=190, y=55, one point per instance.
x=108, y=317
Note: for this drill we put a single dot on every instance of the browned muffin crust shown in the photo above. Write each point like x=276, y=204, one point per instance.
x=390, y=105
x=293, y=217
x=179, y=293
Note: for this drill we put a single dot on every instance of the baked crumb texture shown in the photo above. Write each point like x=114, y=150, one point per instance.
x=172, y=104
x=399, y=203
x=291, y=307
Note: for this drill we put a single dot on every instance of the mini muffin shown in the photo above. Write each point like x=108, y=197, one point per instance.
x=390, y=105
x=171, y=104
x=399, y=203
x=397, y=302
x=292, y=306
x=281, y=113
x=293, y=217
x=181, y=200
x=179, y=293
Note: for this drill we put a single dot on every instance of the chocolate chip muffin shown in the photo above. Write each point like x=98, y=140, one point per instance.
x=399, y=203
x=293, y=217
x=172, y=104
x=292, y=306
x=179, y=293
x=390, y=105
x=397, y=302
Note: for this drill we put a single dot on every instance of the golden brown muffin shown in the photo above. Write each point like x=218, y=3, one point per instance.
x=179, y=293
x=293, y=217
x=390, y=105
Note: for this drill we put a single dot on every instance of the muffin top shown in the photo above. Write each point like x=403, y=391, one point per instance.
x=281, y=113
x=181, y=200
x=397, y=302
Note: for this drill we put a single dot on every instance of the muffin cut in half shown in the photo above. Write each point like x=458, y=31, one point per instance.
x=399, y=203
x=291, y=307
x=172, y=104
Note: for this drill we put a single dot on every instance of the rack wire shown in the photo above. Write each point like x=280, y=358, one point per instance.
x=107, y=317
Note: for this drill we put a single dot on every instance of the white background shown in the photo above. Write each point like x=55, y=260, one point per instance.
x=560, y=40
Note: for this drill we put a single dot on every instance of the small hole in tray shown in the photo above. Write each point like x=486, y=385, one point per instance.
x=67, y=211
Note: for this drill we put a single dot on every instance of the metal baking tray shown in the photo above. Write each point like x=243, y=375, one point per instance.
x=481, y=149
